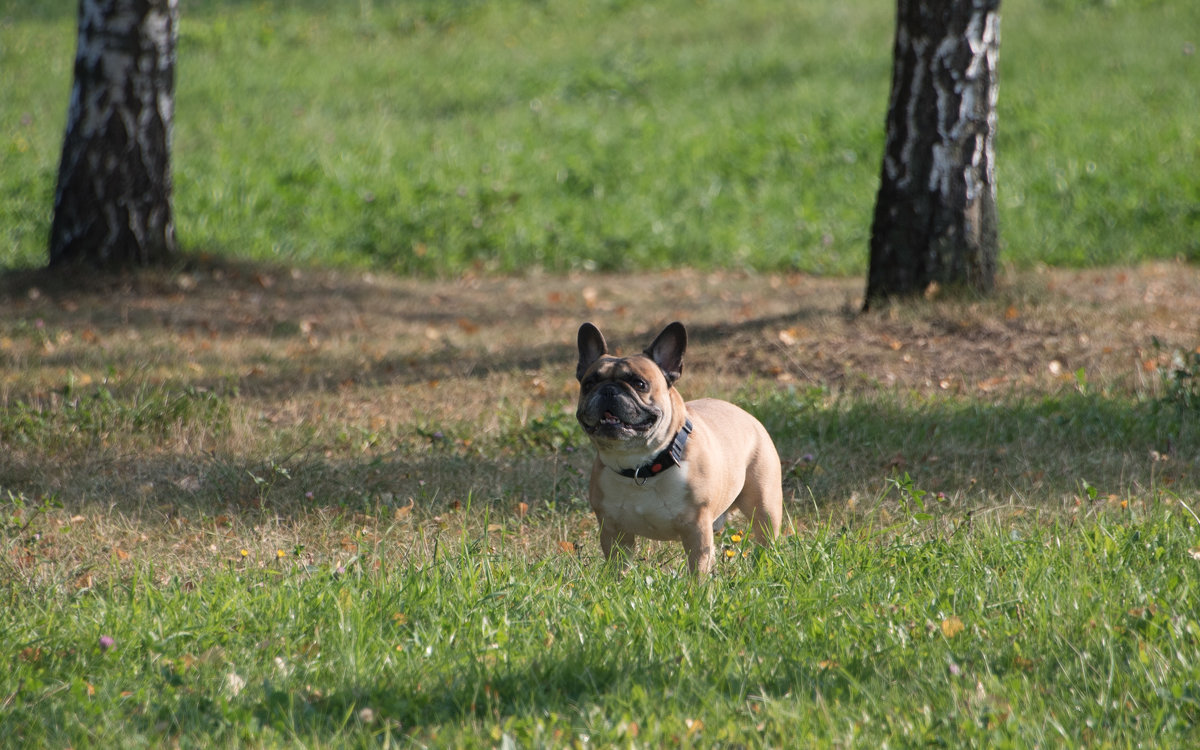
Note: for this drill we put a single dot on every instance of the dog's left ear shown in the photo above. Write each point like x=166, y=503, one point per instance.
x=667, y=351
x=591, y=348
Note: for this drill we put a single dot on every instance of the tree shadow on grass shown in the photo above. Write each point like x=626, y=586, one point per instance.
x=1031, y=449
x=565, y=689
x=559, y=684
x=253, y=322
x=406, y=702
x=271, y=331
x=274, y=331
x=1041, y=451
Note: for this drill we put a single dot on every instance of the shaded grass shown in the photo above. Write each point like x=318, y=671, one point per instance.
x=1024, y=447
x=436, y=138
x=92, y=417
x=838, y=451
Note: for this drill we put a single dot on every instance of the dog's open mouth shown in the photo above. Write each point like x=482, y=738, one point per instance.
x=610, y=421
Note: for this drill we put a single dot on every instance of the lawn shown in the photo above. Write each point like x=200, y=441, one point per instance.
x=320, y=483
x=836, y=637
x=437, y=138
x=257, y=506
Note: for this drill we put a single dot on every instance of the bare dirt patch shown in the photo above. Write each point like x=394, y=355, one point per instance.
x=291, y=336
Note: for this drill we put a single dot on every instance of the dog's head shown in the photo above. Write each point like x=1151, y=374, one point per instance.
x=630, y=402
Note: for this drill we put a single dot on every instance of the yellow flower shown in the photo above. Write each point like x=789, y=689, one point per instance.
x=244, y=552
x=952, y=626
x=730, y=553
x=280, y=554
x=735, y=538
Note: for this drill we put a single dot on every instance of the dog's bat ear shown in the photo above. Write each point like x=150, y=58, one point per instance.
x=591, y=348
x=667, y=351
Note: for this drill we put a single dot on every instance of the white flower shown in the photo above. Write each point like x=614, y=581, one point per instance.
x=234, y=684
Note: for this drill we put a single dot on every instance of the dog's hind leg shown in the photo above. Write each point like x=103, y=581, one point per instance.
x=764, y=509
x=719, y=523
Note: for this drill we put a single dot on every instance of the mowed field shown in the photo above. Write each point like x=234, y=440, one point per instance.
x=262, y=506
x=320, y=483
x=437, y=138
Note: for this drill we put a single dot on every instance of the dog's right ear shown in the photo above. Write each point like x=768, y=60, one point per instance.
x=667, y=351
x=591, y=348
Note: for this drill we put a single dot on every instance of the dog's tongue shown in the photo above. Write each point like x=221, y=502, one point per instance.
x=610, y=418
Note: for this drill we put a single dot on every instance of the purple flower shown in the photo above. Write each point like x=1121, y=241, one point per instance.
x=106, y=642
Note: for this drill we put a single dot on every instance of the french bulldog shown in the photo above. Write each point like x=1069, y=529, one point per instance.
x=666, y=469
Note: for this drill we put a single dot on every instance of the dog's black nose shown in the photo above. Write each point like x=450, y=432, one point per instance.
x=609, y=390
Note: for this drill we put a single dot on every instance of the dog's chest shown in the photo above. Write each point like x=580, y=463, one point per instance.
x=657, y=509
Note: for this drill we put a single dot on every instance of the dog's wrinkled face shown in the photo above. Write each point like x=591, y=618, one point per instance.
x=622, y=399
x=627, y=400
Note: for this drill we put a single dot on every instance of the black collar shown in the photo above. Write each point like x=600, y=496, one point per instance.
x=672, y=456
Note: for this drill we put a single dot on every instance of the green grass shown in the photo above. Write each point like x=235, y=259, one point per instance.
x=302, y=533
x=440, y=138
x=1025, y=578
x=239, y=535
x=838, y=636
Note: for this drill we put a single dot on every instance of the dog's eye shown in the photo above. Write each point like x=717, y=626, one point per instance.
x=639, y=384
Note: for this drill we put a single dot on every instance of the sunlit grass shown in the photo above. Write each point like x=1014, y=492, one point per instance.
x=857, y=633
x=442, y=138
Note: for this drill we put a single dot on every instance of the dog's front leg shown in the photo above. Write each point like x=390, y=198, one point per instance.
x=617, y=546
x=698, y=542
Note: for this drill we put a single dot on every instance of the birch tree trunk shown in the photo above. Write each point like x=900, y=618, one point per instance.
x=112, y=204
x=935, y=213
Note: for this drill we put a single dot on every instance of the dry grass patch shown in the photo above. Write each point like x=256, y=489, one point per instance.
x=191, y=415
